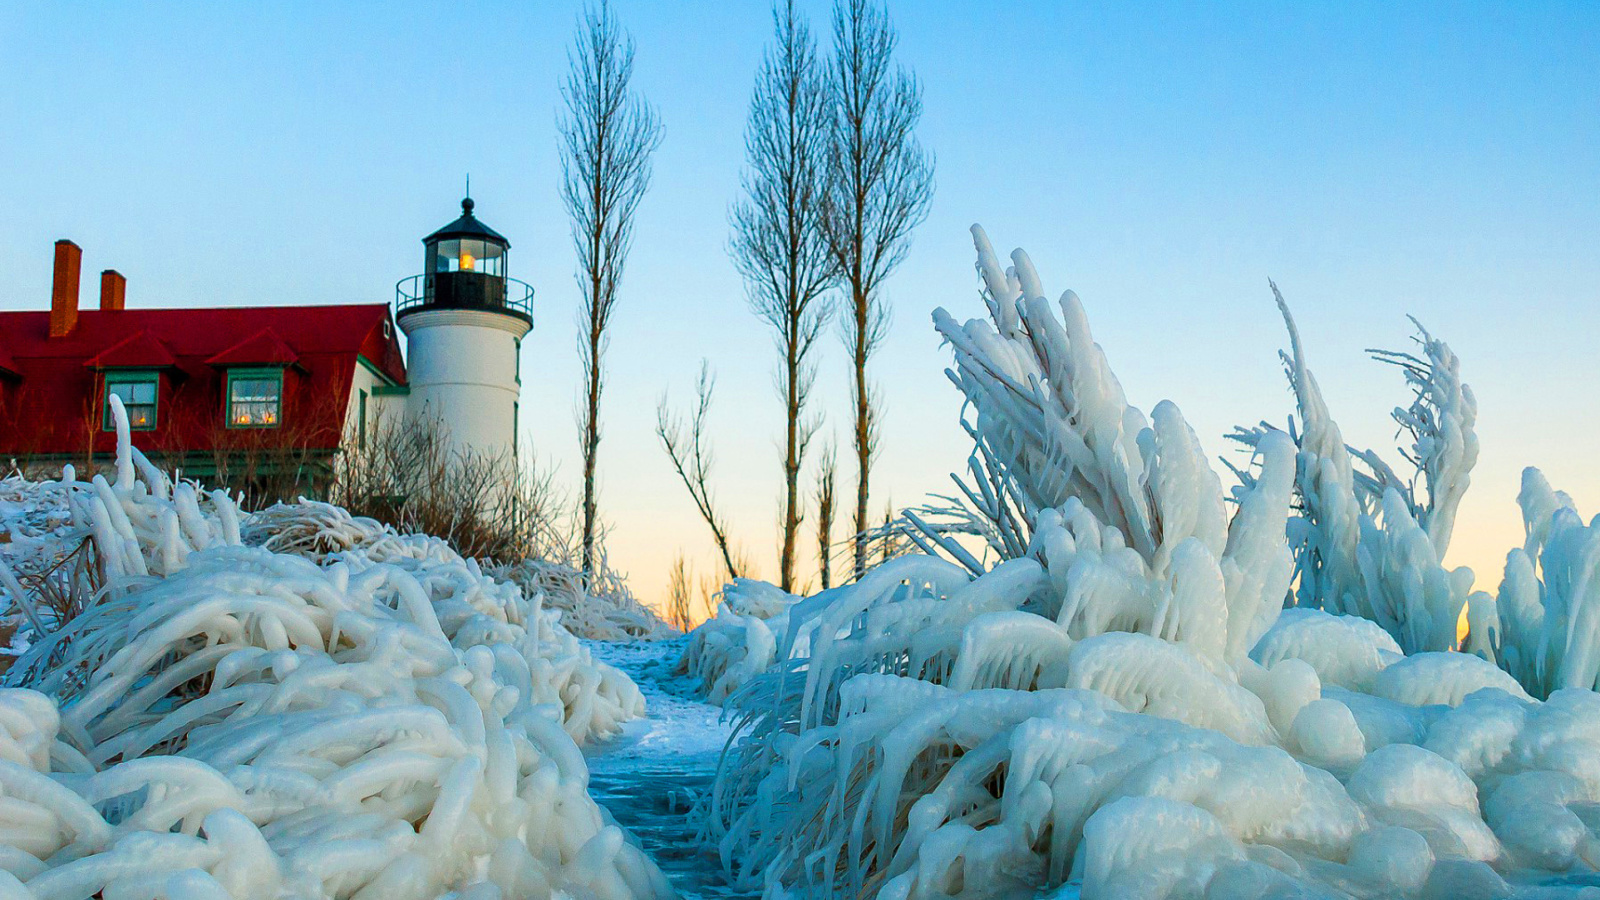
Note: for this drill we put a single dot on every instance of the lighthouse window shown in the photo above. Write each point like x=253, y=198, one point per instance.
x=255, y=398
x=469, y=255
x=140, y=392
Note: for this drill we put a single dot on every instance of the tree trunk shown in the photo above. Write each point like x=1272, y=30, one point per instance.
x=791, y=470
x=591, y=437
x=863, y=433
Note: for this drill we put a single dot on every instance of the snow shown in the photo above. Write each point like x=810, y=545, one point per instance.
x=1112, y=702
x=650, y=777
x=1121, y=702
x=372, y=716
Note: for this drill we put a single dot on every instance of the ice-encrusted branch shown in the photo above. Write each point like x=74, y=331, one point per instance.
x=1127, y=705
x=1440, y=421
x=1365, y=543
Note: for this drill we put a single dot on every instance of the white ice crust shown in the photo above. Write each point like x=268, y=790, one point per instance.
x=369, y=716
x=1124, y=704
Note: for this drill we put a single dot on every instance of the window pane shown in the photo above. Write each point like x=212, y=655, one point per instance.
x=255, y=389
x=447, y=253
x=138, y=400
x=255, y=400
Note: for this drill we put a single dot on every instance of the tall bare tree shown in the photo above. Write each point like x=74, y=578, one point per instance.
x=608, y=134
x=827, y=475
x=778, y=243
x=690, y=451
x=879, y=185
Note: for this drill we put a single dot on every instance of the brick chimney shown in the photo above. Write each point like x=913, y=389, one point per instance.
x=64, y=289
x=113, y=290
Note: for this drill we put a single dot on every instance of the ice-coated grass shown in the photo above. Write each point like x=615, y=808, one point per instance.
x=1125, y=707
x=368, y=716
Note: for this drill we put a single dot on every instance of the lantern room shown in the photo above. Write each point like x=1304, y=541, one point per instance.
x=464, y=267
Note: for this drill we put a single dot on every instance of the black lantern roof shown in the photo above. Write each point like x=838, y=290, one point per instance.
x=467, y=227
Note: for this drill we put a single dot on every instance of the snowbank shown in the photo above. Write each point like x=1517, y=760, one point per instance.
x=740, y=641
x=234, y=721
x=1125, y=704
x=607, y=611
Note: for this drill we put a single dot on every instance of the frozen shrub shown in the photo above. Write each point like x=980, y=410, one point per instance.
x=740, y=641
x=1121, y=701
x=1366, y=541
x=598, y=607
x=369, y=716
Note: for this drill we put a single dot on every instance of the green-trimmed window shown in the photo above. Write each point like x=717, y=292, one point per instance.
x=255, y=398
x=140, y=392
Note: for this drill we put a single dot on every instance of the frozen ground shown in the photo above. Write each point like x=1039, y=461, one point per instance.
x=650, y=776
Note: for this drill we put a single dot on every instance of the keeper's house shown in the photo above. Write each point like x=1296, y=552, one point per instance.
x=212, y=392
x=252, y=396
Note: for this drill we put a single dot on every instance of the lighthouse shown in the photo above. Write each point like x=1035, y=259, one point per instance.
x=464, y=319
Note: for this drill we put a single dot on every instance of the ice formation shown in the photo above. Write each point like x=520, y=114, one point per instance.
x=379, y=720
x=740, y=641
x=1370, y=543
x=1366, y=541
x=1123, y=702
x=607, y=611
x=1544, y=625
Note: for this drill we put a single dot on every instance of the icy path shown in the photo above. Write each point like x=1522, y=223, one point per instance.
x=649, y=777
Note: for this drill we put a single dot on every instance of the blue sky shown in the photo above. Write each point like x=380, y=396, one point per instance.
x=1163, y=160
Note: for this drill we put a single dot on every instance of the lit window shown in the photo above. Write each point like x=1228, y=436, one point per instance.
x=468, y=255
x=255, y=398
x=139, y=392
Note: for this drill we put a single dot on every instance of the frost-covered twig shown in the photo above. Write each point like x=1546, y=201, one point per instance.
x=369, y=715
x=1366, y=542
x=1125, y=705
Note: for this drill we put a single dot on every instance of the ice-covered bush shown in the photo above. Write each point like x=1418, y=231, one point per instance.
x=1124, y=703
x=1366, y=541
x=65, y=540
x=47, y=565
x=379, y=720
x=740, y=641
x=1544, y=625
x=600, y=607
x=1370, y=543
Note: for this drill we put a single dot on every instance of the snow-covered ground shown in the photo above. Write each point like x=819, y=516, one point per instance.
x=1112, y=702
x=650, y=776
x=349, y=712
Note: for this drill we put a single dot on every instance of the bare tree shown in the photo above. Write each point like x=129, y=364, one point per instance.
x=608, y=134
x=879, y=185
x=827, y=475
x=679, y=590
x=691, y=457
x=778, y=244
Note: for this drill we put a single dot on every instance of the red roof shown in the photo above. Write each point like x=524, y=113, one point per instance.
x=54, y=407
x=140, y=351
x=7, y=364
x=264, y=348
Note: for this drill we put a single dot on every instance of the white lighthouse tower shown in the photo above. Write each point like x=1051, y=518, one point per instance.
x=464, y=320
